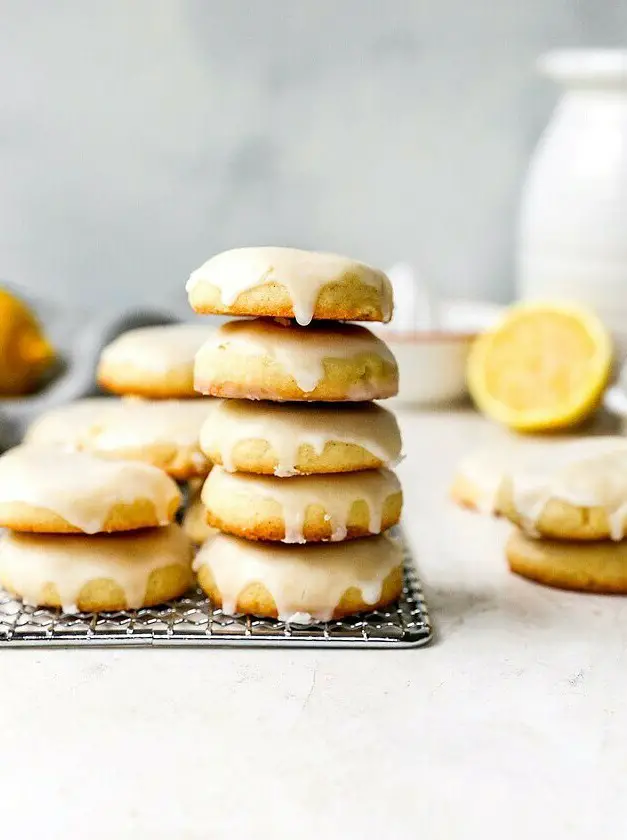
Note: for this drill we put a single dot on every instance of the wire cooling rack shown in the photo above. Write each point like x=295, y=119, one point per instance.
x=192, y=621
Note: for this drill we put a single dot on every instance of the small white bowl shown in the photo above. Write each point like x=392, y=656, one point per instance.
x=432, y=366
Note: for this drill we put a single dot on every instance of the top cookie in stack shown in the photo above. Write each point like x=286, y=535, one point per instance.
x=289, y=283
x=280, y=479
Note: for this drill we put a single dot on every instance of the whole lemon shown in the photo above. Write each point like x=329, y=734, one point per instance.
x=25, y=353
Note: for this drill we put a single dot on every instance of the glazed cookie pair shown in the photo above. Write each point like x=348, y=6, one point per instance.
x=302, y=485
x=571, y=513
x=339, y=487
x=100, y=470
x=568, y=499
x=158, y=362
x=87, y=533
x=295, y=583
x=251, y=438
x=152, y=368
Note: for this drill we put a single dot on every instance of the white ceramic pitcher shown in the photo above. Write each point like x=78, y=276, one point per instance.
x=573, y=223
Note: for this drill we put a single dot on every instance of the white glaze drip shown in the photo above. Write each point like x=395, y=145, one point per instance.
x=30, y=561
x=336, y=494
x=286, y=429
x=584, y=473
x=159, y=349
x=301, y=352
x=80, y=487
x=306, y=582
x=302, y=273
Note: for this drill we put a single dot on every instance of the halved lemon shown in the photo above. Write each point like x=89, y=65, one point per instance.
x=543, y=366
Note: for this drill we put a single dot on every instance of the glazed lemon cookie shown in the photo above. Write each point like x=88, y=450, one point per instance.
x=69, y=426
x=584, y=566
x=282, y=439
x=576, y=492
x=302, y=509
x=155, y=362
x=300, y=583
x=265, y=359
x=288, y=283
x=163, y=433
x=96, y=573
x=52, y=491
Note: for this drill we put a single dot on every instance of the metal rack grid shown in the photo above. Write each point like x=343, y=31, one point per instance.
x=192, y=621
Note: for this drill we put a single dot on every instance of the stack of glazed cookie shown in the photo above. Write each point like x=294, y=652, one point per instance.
x=89, y=534
x=301, y=493
x=570, y=509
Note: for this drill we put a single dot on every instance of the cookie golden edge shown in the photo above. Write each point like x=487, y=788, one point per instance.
x=236, y=376
x=255, y=599
x=256, y=455
x=133, y=516
x=342, y=300
x=585, y=567
x=558, y=520
x=262, y=518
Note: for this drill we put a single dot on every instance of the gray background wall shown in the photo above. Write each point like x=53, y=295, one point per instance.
x=138, y=138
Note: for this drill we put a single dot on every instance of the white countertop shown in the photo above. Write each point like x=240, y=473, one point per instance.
x=512, y=724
